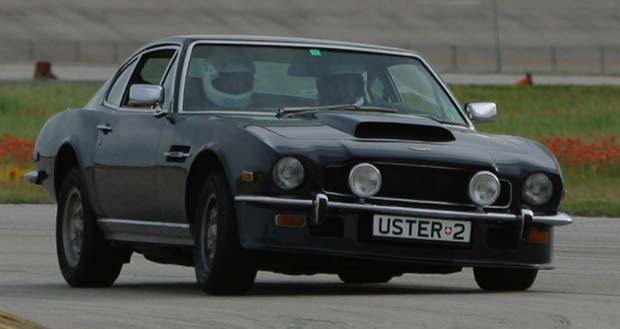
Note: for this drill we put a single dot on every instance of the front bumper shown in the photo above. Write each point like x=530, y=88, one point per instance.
x=36, y=177
x=258, y=232
x=321, y=204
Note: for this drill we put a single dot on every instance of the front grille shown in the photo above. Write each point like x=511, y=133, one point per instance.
x=417, y=183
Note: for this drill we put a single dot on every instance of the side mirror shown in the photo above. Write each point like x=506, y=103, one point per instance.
x=149, y=96
x=482, y=112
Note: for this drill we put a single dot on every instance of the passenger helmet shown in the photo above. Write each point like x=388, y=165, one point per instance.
x=342, y=83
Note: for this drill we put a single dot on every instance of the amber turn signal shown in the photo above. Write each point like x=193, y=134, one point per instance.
x=247, y=176
x=538, y=237
x=291, y=220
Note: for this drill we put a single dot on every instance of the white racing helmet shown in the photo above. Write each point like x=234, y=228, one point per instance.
x=228, y=79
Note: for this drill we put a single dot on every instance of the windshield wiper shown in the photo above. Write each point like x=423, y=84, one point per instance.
x=292, y=111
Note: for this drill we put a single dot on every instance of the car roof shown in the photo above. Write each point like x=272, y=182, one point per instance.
x=280, y=40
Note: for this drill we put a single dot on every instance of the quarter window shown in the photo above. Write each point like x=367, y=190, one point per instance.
x=116, y=92
x=167, y=85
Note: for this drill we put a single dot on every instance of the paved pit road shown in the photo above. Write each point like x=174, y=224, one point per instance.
x=584, y=292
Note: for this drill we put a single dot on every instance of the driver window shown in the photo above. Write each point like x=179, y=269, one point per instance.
x=150, y=70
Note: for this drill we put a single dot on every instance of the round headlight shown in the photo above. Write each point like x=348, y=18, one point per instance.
x=288, y=173
x=484, y=188
x=537, y=189
x=365, y=180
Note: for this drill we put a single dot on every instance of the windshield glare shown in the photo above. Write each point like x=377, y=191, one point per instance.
x=252, y=78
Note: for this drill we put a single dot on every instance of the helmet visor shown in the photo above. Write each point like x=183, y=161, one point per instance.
x=233, y=83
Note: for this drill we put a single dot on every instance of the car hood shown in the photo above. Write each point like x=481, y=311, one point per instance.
x=396, y=137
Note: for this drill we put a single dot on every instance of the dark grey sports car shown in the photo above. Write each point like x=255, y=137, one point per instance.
x=237, y=154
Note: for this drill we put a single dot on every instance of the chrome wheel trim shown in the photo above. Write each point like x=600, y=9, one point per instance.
x=208, y=234
x=73, y=227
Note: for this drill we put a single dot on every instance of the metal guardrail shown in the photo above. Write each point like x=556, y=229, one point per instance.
x=447, y=58
x=66, y=51
x=514, y=59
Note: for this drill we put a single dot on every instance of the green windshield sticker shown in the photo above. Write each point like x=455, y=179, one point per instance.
x=315, y=52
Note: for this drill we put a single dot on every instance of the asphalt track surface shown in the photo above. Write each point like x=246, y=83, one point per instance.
x=583, y=292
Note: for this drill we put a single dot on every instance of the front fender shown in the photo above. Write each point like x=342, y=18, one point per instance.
x=74, y=129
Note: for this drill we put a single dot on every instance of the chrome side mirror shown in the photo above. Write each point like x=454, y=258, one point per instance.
x=145, y=96
x=482, y=112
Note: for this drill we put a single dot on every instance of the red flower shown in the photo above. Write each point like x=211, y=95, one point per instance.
x=17, y=149
x=603, y=153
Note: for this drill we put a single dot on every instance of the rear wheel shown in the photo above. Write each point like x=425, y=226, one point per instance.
x=362, y=278
x=221, y=265
x=504, y=279
x=84, y=256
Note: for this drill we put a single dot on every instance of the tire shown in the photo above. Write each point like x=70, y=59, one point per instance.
x=364, y=278
x=222, y=267
x=504, y=279
x=84, y=256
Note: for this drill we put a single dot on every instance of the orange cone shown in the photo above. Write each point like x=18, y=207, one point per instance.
x=526, y=81
x=43, y=71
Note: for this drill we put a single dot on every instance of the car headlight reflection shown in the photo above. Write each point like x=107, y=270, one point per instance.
x=365, y=180
x=288, y=173
x=484, y=188
x=537, y=189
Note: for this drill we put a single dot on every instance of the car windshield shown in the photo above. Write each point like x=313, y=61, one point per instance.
x=269, y=79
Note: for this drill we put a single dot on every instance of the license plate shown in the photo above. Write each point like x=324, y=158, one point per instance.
x=388, y=226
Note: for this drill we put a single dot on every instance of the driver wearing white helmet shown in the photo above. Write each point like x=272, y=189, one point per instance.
x=228, y=79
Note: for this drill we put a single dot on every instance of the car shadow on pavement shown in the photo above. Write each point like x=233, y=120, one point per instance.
x=341, y=289
x=310, y=288
x=261, y=289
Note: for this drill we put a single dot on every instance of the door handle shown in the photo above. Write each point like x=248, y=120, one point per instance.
x=104, y=128
x=176, y=155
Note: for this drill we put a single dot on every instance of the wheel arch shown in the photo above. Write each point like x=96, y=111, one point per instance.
x=206, y=162
x=66, y=158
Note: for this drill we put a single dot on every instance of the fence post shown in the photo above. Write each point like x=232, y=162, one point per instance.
x=115, y=51
x=498, y=43
x=31, y=52
x=76, y=51
x=455, y=58
x=554, y=59
x=603, y=59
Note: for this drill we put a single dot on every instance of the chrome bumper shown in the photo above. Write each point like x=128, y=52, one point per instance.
x=35, y=177
x=321, y=204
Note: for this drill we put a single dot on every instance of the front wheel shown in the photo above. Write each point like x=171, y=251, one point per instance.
x=85, y=257
x=504, y=279
x=221, y=265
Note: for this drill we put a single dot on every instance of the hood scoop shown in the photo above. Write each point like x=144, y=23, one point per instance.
x=388, y=127
x=382, y=130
